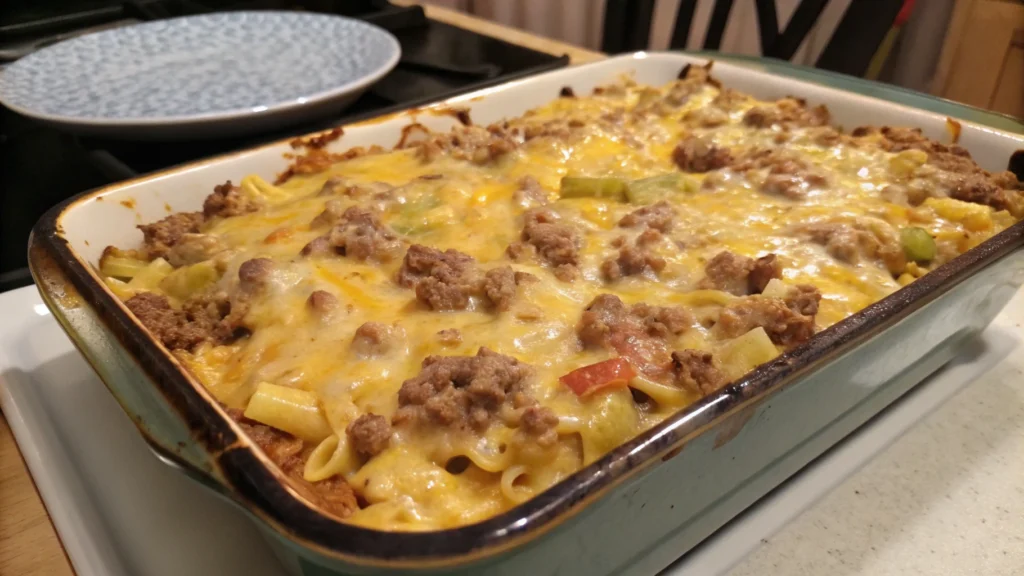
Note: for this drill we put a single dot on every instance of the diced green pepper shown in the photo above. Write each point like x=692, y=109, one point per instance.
x=918, y=244
x=650, y=190
x=419, y=205
x=417, y=215
x=608, y=188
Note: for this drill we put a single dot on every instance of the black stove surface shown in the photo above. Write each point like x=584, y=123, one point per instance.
x=41, y=166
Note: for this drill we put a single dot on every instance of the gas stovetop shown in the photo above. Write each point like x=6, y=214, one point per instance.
x=41, y=166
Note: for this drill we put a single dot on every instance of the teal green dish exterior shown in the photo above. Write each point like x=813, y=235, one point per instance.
x=633, y=512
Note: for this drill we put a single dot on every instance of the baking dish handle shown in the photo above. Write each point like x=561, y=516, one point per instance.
x=188, y=469
x=166, y=432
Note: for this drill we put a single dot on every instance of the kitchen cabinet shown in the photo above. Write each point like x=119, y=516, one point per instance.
x=982, y=62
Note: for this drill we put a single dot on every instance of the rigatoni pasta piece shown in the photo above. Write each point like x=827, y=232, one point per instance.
x=333, y=456
x=121, y=266
x=295, y=411
x=119, y=288
x=258, y=188
x=508, y=487
x=189, y=280
x=149, y=278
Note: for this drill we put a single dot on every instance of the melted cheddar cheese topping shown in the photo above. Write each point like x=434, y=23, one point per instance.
x=741, y=176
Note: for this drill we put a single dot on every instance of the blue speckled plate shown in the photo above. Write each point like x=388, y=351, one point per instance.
x=210, y=75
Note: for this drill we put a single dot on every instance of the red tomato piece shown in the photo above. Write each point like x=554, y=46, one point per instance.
x=648, y=355
x=610, y=373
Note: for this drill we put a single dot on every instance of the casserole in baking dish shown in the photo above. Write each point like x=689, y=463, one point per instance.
x=424, y=338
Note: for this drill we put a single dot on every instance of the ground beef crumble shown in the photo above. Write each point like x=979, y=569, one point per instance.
x=788, y=321
x=699, y=155
x=788, y=175
x=473, y=143
x=254, y=274
x=447, y=280
x=971, y=183
x=803, y=299
x=500, y=287
x=729, y=100
x=539, y=422
x=208, y=317
x=786, y=112
x=369, y=434
x=695, y=370
x=529, y=193
x=194, y=248
x=481, y=145
x=172, y=327
x=161, y=236
x=659, y=216
x=607, y=319
x=225, y=314
x=442, y=280
x=376, y=338
x=227, y=201
x=468, y=393
x=850, y=242
x=641, y=332
x=551, y=241
x=322, y=303
x=740, y=275
x=633, y=258
x=989, y=190
x=356, y=233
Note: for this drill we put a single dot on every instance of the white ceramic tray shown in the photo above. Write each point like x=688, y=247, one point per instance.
x=119, y=511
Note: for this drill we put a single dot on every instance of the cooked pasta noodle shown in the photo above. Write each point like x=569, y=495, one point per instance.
x=488, y=461
x=258, y=188
x=149, y=278
x=332, y=457
x=292, y=410
x=509, y=489
x=662, y=394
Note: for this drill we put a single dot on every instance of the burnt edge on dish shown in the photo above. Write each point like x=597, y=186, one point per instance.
x=256, y=484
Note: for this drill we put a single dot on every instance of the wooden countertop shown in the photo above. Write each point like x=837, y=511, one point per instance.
x=28, y=542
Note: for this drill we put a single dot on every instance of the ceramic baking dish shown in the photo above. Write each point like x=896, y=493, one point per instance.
x=636, y=509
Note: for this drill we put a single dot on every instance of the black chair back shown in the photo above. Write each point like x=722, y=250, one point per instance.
x=864, y=25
